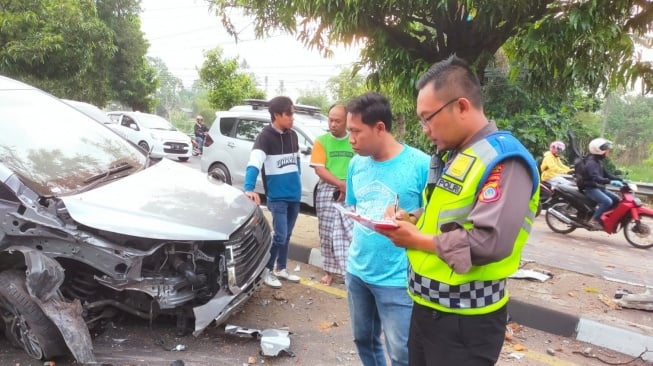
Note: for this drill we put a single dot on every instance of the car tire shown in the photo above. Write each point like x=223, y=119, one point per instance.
x=220, y=172
x=183, y=158
x=143, y=145
x=25, y=325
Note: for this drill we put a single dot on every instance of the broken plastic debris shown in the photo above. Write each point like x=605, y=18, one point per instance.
x=273, y=341
x=297, y=268
x=179, y=347
x=643, y=301
x=516, y=355
x=530, y=274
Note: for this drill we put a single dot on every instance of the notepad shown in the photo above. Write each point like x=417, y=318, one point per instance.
x=366, y=221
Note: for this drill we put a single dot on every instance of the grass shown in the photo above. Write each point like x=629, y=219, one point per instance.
x=638, y=173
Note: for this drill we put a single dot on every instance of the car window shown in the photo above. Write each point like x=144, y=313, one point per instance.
x=67, y=148
x=126, y=121
x=155, y=122
x=303, y=140
x=248, y=129
x=227, y=125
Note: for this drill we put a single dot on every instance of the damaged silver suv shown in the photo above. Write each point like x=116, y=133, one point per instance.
x=89, y=228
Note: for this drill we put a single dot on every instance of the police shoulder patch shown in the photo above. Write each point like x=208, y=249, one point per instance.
x=491, y=190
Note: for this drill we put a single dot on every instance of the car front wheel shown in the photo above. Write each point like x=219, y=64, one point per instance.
x=220, y=172
x=25, y=324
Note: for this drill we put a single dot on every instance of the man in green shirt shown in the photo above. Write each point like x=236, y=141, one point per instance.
x=330, y=159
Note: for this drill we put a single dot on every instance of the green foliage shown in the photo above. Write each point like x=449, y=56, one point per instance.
x=225, y=84
x=346, y=85
x=55, y=45
x=133, y=80
x=168, y=95
x=561, y=45
x=315, y=97
x=629, y=121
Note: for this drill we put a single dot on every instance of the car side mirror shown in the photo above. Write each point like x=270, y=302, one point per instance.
x=306, y=150
x=133, y=126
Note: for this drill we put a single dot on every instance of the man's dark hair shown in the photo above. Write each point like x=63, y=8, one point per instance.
x=372, y=107
x=279, y=105
x=455, y=79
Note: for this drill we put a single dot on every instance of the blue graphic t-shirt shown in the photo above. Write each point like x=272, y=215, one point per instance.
x=371, y=187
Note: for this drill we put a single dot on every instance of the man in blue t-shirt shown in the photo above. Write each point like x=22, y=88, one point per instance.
x=384, y=173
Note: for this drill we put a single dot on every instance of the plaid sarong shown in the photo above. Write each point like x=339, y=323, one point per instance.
x=335, y=230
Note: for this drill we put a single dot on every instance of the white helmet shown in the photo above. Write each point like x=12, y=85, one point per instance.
x=600, y=146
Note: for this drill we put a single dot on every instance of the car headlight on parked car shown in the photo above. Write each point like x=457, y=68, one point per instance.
x=156, y=136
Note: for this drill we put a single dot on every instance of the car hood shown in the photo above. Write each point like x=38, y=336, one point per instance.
x=166, y=201
x=170, y=135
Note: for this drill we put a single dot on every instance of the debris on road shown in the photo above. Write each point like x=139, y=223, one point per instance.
x=273, y=341
x=643, y=301
x=530, y=275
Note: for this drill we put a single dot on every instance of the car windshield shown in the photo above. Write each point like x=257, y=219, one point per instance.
x=53, y=147
x=315, y=130
x=155, y=122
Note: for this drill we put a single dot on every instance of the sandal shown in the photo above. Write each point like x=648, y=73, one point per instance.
x=327, y=279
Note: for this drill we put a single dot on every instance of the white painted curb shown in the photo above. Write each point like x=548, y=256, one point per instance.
x=615, y=338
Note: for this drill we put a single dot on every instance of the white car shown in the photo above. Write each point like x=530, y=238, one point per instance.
x=229, y=142
x=153, y=134
x=91, y=110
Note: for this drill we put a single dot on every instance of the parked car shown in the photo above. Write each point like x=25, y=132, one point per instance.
x=152, y=133
x=89, y=228
x=230, y=139
x=91, y=110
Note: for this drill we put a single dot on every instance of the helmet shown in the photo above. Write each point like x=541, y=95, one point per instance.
x=557, y=147
x=600, y=146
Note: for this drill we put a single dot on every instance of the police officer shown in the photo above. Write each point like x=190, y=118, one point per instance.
x=481, y=199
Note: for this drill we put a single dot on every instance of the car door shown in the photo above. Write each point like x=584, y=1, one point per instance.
x=240, y=146
x=308, y=175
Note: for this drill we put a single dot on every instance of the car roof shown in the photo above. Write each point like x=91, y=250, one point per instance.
x=9, y=84
x=302, y=118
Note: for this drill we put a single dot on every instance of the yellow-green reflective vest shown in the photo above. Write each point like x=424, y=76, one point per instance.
x=432, y=282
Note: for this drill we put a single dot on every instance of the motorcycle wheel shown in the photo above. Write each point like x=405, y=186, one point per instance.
x=638, y=233
x=556, y=224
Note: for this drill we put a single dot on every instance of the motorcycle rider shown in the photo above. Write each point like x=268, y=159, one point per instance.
x=200, y=130
x=595, y=177
x=552, y=166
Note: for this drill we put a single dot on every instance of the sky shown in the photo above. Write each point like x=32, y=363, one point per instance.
x=180, y=31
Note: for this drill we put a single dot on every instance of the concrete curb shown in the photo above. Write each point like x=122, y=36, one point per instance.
x=626, y=341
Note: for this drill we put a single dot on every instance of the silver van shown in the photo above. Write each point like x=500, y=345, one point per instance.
x=230, y=139
x=90, y=228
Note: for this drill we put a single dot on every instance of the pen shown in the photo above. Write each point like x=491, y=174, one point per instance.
x=396, y=203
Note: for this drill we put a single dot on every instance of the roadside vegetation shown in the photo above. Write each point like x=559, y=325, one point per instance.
x=547, y=66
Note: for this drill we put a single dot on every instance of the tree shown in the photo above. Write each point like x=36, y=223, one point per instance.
x=168, y=95
x=315, y=97
x=56, y=45
x=346, y=85
x=131, y=77
x=225, y=84
x=560, y=44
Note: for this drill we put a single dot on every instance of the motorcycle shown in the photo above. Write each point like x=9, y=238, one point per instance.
x=196, y=146
x=573, y=210
x=547, y=196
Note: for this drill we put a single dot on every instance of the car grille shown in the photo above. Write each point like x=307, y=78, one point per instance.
x=250, y=245
x=175, y=148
